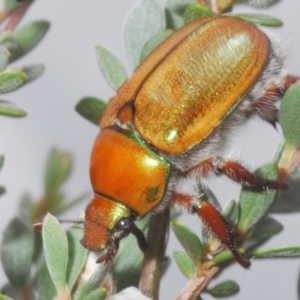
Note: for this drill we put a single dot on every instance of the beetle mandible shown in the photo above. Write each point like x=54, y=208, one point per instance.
x=162, y=133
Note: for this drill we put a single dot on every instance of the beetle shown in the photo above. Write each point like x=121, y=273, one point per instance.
x=163, y=132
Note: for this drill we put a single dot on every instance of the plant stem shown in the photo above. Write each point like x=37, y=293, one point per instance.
x=197, y=284
x=154, y=255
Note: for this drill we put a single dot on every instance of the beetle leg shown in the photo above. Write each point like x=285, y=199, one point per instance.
x=221, y=229
x=187, y=195
x=140, y=238
x=234, y=171
x=264, y=107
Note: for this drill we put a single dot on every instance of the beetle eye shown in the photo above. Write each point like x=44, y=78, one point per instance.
x=124, y=224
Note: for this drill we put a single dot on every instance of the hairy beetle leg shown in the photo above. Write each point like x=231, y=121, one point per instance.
x=221, y=229
x=265, y=107
x=236, y=172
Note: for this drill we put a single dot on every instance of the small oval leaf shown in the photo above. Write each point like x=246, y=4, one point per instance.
x=260, y=19
x=255, y=204
x=154, y=42
x=259, y=3
x=287, y=251
x=189, y=240
x=111, y=67
x=174, y=12
x=58, y=169
x=231, y=212
x=10, y=80
x=224, y=289
x=55, y=246
x=11, y=110
x=11, y=5
x=289, y=117
x=26, y=38
x=184, y=263
x=77, y=254
x=34, y=71
x=196, y=11
x=17, y=252
x=45, y=286
x=91, y=108
x=144, y=21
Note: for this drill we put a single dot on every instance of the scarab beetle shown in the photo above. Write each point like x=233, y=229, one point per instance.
x=162, y=133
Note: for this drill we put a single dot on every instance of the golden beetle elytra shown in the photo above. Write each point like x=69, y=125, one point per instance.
x=162, y=133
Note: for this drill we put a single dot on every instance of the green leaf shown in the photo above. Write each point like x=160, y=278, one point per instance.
x=231, y=212
x=255, y=204
x=11, y=5
x=10, y=80
x=288, y=200
x=55, y=250
x=196, y=11
x=287, y=251
x=189, y=240
x=16, y=252
x=184, y=263
x=34, y=71
x=260, y=19
x=111, y=67
x=77, y=254
x=2, y=190
x=94, y=281
x=143, y=22
x=128, y=262
x=3, y=297
x=154, y=42
x=289, y=117
x=26, y=38
x=9, y=291
x=91, y=108
x=45, y=285
x=58, y=169
x=174, y=12
x=224, y=289
x=1, y=161
x=3, y=58
x=259, y=3
x=11, y=110
x=98, y=294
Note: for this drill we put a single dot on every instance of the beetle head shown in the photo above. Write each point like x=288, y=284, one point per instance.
x=106, y=222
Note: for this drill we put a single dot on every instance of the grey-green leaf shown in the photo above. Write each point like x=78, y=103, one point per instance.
x=184, y=263
x=91, y=108
x=260, y=19
x=45, y=285
x=27, y=37
x=3, y=297
x=224, y=289
x=174, y=12
x=1, y=161
x=55, y=250
x=255, y=204
x=128, y=262
x=287, y=251
x=11, y=110
x=10, y=80
x=11, y=5
x=144, y=21
x=111, y=67
x=196, y=11
x=259, y=3
x=231, y=212
x=77, y=254
x=34, y=71
x=58, y=169
x=4, y=57
x=17, y=252
x=288, y=200
x=97, y=294
x=154, y=42
x=189, y=240
x=289, y=117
